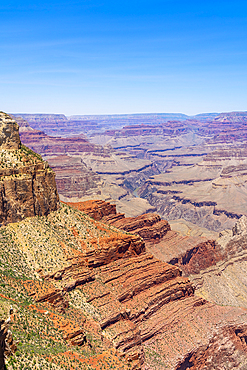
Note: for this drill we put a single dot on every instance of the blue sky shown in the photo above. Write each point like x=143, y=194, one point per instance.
x=100, y=57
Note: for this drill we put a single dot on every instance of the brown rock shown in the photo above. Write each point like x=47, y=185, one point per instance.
x=96, y=209
x=9, y=133
x=7, y=344
x=149, y=226
x=27, y=184
x=73, y=177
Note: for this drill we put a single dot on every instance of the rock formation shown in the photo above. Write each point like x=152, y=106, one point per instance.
x=27, y=184
x=9, y=133
x=149, y=226
x=7, y=344
x=73, y=177
x=132, y=302
x=91, y=295
x=225, y=281
x=181, y=167
x=191, y=254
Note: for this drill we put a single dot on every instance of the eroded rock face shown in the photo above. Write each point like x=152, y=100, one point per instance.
x=27, y=184
x=218, y=268
x=149, y=226
x=7, y=344
x=136, y=304
x=9, y=133
x=73, y=177
x=191, y=254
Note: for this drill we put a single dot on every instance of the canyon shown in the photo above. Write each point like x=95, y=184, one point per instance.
x=91, y=286
x=184, y=168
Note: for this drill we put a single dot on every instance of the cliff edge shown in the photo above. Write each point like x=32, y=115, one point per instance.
x=27, y=184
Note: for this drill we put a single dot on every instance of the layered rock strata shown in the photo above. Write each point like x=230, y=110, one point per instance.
x=225, y=282
x=131, y=301
x=149, y=226
x=191, y=254
x=27, y=184
x=145, y=307
x=102, y=290
x=9, y=133
x=73, y=177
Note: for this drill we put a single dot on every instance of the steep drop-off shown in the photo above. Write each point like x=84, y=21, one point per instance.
x=27, y=184
x=86, y=294
x=225, y=282
x=129, y=302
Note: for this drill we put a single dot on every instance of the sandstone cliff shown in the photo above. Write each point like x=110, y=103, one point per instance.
x=9, y=133
x=27, y=184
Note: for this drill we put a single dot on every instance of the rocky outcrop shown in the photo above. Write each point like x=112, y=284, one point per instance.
x=149, y=226
x=27, y=184
x=97, y=209
x=225, y=282
x=9, y=133
x=191, y=254
x=7, y=344
x=46, y=292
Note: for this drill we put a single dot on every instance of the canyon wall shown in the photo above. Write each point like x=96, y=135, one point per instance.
x=93, y=288
x=27, y=184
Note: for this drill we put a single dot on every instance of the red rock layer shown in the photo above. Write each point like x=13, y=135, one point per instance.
x=191, y=254
x=124, y=293
x=149, y=226
x=149, y=312
x=96, y=209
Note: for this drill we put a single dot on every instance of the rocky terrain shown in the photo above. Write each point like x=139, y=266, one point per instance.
x=105, y=295
x=149, y=226
x=213, y=265
x=60, y=125
x=87, y=294
x=225, y=282
x=184, y=168
x=27, y=184
x=89, y=171
x=200, y=164
x=7, y=344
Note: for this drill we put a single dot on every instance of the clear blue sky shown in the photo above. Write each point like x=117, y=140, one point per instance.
x=99, y=57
